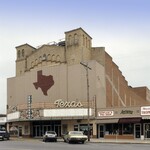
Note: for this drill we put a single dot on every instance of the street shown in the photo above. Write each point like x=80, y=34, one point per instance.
x=39, y=145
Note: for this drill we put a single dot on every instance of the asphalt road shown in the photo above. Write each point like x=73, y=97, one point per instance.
x=39, y=145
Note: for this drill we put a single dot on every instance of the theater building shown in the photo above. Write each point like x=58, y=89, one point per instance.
x=69, y=85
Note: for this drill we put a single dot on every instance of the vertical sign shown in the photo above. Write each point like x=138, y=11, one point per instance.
x=29, y=111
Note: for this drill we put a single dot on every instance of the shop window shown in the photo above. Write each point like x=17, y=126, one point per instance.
x=109, y=129
x=127, y=128
x=84, y=128
x=14, y=131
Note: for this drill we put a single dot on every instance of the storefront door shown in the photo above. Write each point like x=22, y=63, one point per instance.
x=147, y=130
x=137, y=130
x=101, y=131
x=58, y=130
x=20, y=131
x=37, y=131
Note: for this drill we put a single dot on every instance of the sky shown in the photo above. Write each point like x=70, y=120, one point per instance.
x=121, y=26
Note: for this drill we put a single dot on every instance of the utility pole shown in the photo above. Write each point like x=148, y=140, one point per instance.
x=88, y=100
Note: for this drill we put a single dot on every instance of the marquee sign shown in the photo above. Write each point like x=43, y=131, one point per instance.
x=69, y=104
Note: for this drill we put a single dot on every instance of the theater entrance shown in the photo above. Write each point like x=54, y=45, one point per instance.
x=40, y=127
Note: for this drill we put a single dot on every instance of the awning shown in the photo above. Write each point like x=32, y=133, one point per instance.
x=106, y=121
x=129, y=120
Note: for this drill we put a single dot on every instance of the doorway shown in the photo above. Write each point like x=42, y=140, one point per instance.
x=147, y=130
x=137, y=130
x=101, y=130
x=20, y=131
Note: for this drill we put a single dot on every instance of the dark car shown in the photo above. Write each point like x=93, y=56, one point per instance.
x=4, y=135
x=50, y=136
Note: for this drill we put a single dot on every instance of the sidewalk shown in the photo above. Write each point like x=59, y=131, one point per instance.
x=134, y=141
x=92, y=140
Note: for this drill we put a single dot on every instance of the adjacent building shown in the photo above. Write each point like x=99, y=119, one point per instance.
x=70, y=85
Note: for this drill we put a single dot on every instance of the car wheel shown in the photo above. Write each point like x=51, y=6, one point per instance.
x=82, y=142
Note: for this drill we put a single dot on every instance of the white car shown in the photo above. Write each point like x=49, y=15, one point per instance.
x=75, y=136
x=50, y=136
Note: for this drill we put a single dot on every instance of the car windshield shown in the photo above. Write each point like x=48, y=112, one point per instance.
x=50, y=132
x=76, y=132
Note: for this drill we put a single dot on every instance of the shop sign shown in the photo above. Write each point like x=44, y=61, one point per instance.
x=70, y=104
x=145, y=110
x=105, y=113
x=126, y=112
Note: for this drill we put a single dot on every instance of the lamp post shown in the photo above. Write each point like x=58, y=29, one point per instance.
x=88, y=114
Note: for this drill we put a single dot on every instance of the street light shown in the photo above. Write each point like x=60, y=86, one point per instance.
x=87, y=77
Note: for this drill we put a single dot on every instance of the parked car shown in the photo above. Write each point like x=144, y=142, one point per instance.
x=75, y=136
x=50, y=136
x=4, y=135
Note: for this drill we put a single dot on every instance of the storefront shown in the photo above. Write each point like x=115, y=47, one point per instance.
x=121, y=123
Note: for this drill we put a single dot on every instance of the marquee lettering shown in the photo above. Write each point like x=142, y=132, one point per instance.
x=62, y=104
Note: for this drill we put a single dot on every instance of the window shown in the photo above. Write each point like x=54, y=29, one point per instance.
x=128, y=128
x=22, y=52
x=86, y=42
x=53, y=57
x=44, y=57
x=75, y=38
x=58, y=58
x=18, y=54
x=69, y=40
x=49, y=57
x=89, y=43
x=40, y=59
x=83, y=40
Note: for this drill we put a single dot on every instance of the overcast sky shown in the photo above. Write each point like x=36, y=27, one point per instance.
x=121, y=26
